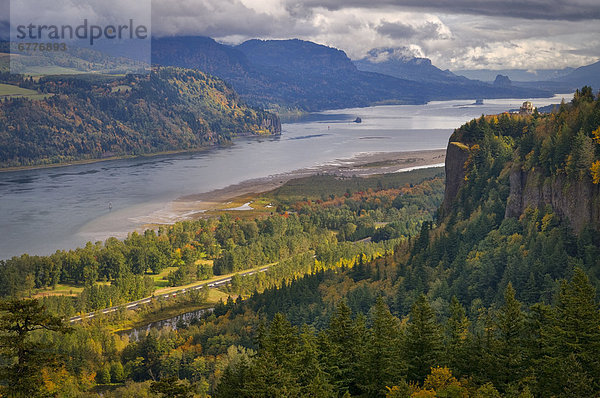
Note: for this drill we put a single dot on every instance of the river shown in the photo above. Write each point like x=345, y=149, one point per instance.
x=43, y=210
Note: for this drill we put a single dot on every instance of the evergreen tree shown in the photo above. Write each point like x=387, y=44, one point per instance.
x=423, y=343
x=273, y=372
x=343, y=345
x=456, y=334
x=509, y=356
x=23, y=358
x=572, y=342
x=312, y=378
x=383, y=365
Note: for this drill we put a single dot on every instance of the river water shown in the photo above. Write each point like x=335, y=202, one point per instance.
x=60, y=208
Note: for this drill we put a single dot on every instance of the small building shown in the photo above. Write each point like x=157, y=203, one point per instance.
x=526, y=108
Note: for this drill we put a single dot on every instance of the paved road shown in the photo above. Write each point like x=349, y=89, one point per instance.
x=134, y=304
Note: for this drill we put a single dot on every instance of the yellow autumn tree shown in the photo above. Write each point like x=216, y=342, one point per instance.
x=595, y=169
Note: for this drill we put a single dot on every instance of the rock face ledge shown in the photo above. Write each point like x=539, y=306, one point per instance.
x=456, y=156
x=576, y=201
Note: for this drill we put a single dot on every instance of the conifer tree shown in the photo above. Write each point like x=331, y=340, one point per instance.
x=509, y=356
x=22, y=358
x=456, y=334
x=423, y=342
x=572, y=342
x=383, y=364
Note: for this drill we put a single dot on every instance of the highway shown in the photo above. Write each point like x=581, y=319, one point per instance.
x=134, y=304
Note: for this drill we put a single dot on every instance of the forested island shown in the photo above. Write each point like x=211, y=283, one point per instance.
x=58, y=119
x=386, y=286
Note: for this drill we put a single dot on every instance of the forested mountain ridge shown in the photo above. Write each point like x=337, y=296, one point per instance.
x=474, y=303
x=305, y=75
x=487, y=303
x=78, y=118
x=543, y=160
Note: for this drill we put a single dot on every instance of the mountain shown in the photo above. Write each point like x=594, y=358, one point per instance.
x=93, y=117
x=519, y=75
x=288, y=73
x=502, y=81
x=544, y=162
x=586, y=75
x=312, y=77
x=388, y=62
x=555, y=80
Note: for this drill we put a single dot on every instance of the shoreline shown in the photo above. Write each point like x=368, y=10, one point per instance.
x=363, y=165
x=238, y=197
x=107, y=159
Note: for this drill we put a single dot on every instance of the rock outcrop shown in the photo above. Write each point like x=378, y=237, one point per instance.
x=456, y=156
x=575, y=201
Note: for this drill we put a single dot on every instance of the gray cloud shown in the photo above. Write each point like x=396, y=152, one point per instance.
x=455, y=34
x=396, y=30
x=399, y=30
x=571, y=10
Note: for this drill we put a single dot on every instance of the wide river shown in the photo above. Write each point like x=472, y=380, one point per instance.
x=44, y=210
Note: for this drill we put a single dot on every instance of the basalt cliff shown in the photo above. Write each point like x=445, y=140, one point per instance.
x=512, y=164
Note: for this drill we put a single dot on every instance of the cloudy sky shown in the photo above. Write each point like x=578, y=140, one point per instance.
x=455, y=34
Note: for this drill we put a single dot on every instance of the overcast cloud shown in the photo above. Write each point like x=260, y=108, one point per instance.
x=454, y=34
x=457, y=34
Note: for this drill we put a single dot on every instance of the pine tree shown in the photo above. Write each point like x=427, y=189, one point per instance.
x=313, y=380
x=273, y=372
x=456, y=334
x=383, y=364
x=22, y=358
x=508, y=357
x=571, y=345
x=343, y=345
x=423, y=343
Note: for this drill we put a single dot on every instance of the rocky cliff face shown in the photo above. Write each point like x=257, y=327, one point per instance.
x=456, y=156
x=577, y=202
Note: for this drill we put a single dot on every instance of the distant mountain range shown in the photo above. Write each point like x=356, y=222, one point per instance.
x=296, y=74
x=518, y=75
x=304, y=75
x=565, y=80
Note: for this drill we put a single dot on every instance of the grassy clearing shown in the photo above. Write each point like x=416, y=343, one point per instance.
x=12, y=91
x=121, y=88
x=160, y=279
x=62, y=289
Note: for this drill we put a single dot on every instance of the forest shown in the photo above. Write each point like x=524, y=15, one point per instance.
x=118, y=271
x=465, y=302
x=99, y=117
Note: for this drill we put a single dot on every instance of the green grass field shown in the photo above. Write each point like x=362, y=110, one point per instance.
x=12, y=91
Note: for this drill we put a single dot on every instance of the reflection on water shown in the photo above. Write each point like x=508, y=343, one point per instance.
x=60, y=208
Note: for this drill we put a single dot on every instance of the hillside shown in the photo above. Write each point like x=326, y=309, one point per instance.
x=550, y=160
x=309, y=76
x=287, y=73
x=370, y=293
x=589, y=74
x=79, y=118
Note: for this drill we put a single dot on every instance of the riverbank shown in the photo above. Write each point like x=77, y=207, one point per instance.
x=363, y=165
x=105, y=159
